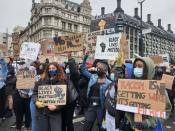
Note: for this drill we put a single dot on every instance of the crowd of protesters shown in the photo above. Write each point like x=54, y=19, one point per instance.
x=91, y=88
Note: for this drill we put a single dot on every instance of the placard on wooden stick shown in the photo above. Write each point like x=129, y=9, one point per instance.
x=147, y=97
x=168, y=80
x=52, y=94
x=25, y=79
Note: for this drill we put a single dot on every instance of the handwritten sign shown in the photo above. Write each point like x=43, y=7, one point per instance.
x=124, y=47
x=157, y=59
x=69, y=43
x=142, y=97
x=52, y=94
x=47, y=47
x=29, y=50
x=25, y=79
x=168, y=80
x=107, y=46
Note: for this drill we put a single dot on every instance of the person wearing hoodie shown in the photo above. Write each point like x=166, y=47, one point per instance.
x=48, y=118
x=144, y=69
x=98, y=84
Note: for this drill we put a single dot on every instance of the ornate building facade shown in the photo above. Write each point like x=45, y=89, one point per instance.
x=56, y=17
x=156, y=40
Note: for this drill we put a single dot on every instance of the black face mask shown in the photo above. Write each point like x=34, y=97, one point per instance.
x=100, y=73
x=160, y=71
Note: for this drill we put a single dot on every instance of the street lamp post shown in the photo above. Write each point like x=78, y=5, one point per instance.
x=141, y=27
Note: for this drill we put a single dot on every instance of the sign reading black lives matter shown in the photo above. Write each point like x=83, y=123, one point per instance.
x=147, y=97
x=107, y=46
x=52, y=94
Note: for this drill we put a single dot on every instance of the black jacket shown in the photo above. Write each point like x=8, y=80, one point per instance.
x=11, y=77
x=41, y=82
x=74, y=72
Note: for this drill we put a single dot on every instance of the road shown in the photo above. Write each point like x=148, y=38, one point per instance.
x=169, y=125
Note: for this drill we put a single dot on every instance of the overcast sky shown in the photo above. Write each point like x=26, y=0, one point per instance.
x=17, y=12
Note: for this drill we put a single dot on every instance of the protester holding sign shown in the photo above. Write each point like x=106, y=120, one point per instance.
x=49, y=117
x=143, y=70
x=97, y=87
x=22, y=97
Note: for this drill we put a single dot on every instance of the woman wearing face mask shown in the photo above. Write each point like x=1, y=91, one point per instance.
x=114, y=117
x=144, y=69
x=38, y=77
x=98, y=84
x=49, y=117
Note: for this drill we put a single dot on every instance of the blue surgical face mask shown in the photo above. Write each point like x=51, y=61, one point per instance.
x=53, y=72
x=112, y=76
x=138, y=72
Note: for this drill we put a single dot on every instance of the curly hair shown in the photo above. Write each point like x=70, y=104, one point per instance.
x=60, y=75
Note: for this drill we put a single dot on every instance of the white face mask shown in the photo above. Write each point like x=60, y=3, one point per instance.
x=138, y=72
x=112, y=76
x=67, y=71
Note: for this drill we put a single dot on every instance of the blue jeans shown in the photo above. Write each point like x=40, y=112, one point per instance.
x=33, y=115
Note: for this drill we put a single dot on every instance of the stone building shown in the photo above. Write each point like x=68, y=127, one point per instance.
x=56, y=17
x=156, y=39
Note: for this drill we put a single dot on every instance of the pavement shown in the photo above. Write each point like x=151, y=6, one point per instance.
x=169, y=125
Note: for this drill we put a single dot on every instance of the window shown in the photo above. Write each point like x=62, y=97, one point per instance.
x=47, y=10
x=69, y=26
x=63, y=25
x=47, y=21
x=75, y=18
x=69, y=16
x=56, y=22
x=56, y=11
x=75, y=27
x=47, y=33
x=63, y=14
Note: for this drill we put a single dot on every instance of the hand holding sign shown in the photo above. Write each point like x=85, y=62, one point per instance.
x=52, y=107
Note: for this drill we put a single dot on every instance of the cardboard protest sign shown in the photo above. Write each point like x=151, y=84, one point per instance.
x=69, y=43
x=107, y=46
x=168, y=80
x=30, y=50
x=47, y=47
x=25, y=79
x=52, y=94
x=16, y=50
x=157, y=59
x=147, y=97
x=124, y=47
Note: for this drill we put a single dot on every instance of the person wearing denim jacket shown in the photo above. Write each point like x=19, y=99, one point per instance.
x=99, y=83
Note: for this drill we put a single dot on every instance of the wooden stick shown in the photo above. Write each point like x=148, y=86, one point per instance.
x=137, y=118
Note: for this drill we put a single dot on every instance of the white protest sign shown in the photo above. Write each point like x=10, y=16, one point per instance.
x=30, y=50
x=108, y=46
